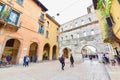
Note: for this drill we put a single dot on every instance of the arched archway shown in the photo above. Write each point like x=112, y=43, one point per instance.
x=89, y=50
x=46, y=51
x=54, y=54
x=11, y=48
x=66, y=52
x=33, y=52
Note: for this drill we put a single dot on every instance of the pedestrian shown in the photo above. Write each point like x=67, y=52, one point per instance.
x=90, y=57
x=27, y=61
x=9, y=58
x=113, y=62
x=24, y=60
x=62, y=61
x=71, y=61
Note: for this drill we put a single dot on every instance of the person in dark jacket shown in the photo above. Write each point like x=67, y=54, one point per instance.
x=63, y=61
x=9, y=58
x=71, y=61
x=24, y=61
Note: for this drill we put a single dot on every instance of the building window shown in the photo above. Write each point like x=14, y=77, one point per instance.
x=42, y=17
x=110, y=21
x=61, y=38
x=66, y=37
x=1, y=7
x=89, y=19
x=19, y=2
x=47, y=34
x=84, y=33
x=78, y=35
x=76, y=24
x=82, y=22
x=92, y=32
x=119, y=1
x=41, y=29
x=47, y=24
x=14, y=16
x=57, y=38
x=71, y=36
x=57, y=29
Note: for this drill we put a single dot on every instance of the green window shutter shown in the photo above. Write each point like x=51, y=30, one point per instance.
x=3, y=6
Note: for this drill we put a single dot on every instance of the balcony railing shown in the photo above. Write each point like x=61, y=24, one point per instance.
x=8, y=25
x=41, y=19
x=78, y=41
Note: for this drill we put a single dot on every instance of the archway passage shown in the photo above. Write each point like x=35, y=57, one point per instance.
x=54, y=54
x=66, y=52
x=89, y=51
x=11, y=49
x=33, y=52
x=46, y=51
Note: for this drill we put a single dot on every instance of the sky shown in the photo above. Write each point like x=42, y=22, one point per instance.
x=68, y=9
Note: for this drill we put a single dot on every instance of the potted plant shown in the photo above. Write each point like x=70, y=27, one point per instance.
x=5, y=14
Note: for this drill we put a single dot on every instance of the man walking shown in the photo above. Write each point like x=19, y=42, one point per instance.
x=71, y=61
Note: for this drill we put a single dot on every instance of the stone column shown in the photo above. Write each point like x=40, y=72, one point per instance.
x=2, y=45
x=50, y=53
x=39, y=53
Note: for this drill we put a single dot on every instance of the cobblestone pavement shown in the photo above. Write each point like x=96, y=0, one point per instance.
x=114, y=71
x=51, y=70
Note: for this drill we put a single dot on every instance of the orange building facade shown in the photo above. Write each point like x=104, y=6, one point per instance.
x=24, y=31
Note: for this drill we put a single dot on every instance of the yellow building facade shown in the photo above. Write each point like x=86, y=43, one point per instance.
x=23, y=26
x=110, y=24
x=115, y=6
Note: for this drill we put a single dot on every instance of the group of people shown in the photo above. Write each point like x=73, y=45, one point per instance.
x=62, y=61
x=6, y=60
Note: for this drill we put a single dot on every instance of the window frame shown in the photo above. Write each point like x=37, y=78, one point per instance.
x=3, y=6
x=17, y=17
x=119, y=1
x=41, y=29
x=47, y=34
x=20, y=2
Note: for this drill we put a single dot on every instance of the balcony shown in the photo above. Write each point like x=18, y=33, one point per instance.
x=9, y=26
x=9, y=20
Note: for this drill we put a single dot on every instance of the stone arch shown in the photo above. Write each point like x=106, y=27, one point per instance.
x=86, y=55
x=66, y=51
x=33, y=52
x=46, y=51
x=62, y=48
x=88, y=45
x=54, y=53
x=11, y=47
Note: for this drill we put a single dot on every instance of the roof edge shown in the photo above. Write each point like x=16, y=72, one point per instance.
x=41, y=5
x=52, y=19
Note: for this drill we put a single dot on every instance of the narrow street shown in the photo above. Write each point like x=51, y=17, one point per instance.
x=52, y=71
